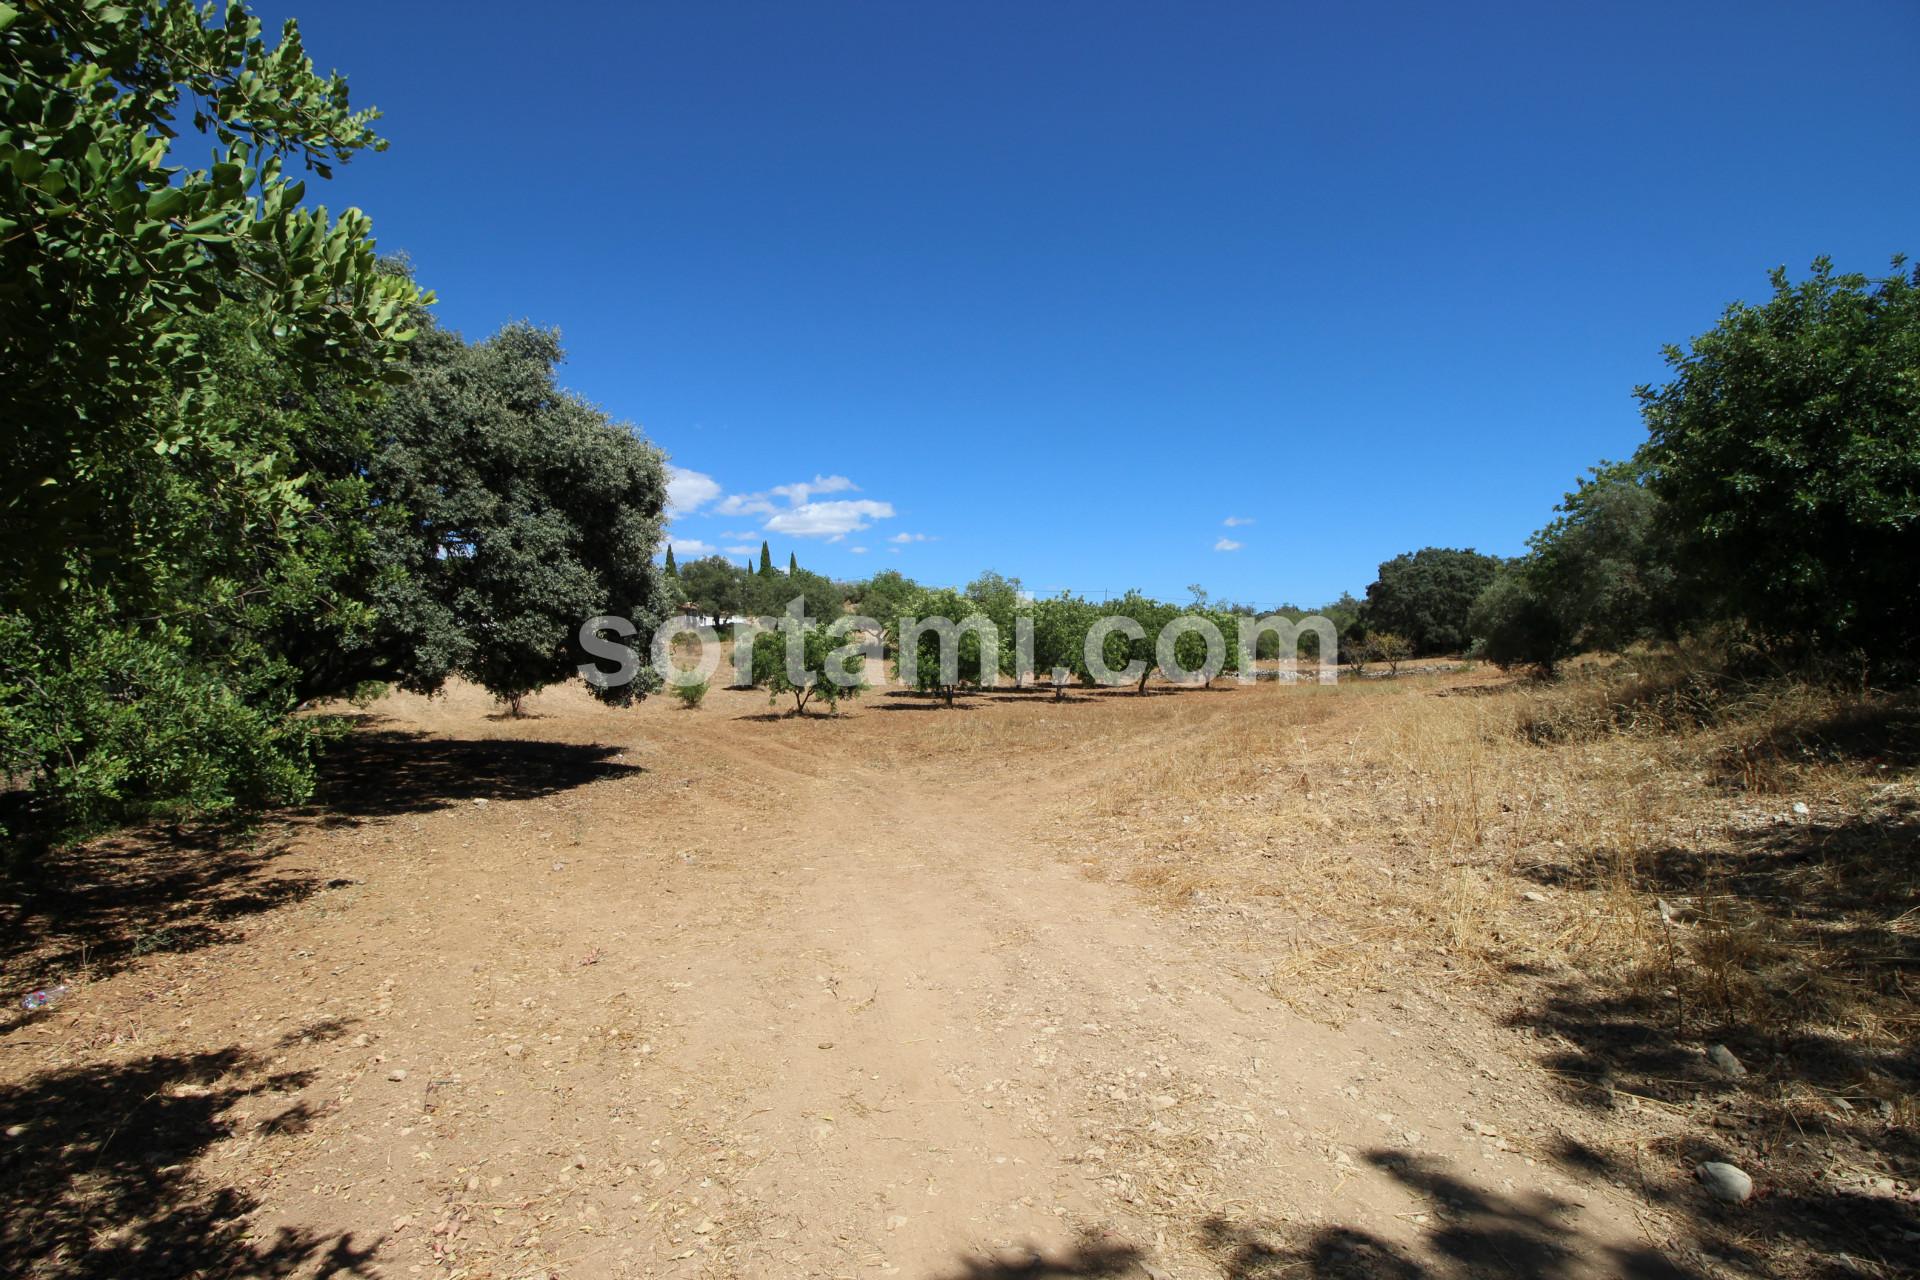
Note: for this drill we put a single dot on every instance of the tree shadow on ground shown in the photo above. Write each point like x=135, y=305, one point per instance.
x=100, y=1184
x=100, y=906
x=1470, y=1232
x=1794, y=946
x=774, y=717
x=96, y=907
x=1467, y=1232
x=377, y=773
x=1088, y=1261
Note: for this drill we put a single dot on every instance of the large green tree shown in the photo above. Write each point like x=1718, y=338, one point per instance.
x=110, y=253
x=1786, y=448
x=799, y=659
x=884, y=596
x=1000, y=598
x=1426, y=596
x=1121, y=648
x=169, y=336
x=527, y=511
x=771, y=594
x=716, y=587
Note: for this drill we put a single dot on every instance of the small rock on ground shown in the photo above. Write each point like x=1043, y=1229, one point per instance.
x=1724, y=1181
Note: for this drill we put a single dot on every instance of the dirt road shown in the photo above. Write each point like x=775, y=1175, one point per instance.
x=667, y=993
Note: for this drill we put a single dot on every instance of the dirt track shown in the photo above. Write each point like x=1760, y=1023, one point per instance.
x=706, y=994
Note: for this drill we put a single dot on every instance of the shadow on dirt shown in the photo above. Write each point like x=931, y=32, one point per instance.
x=1793, y=945
x=376, y=773
x=101, y=906
x=99, y=1181
x=1084, y=1262
x=97, y=907
x=1470, y=1232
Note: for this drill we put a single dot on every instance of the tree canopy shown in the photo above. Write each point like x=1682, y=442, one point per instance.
x=1426, y=596
x=246, y=470
x=1786, y=449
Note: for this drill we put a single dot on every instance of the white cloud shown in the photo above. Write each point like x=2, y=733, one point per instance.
x=859, y=551
x=738, y=535
x=829, y=519
x=799, y=493
x=1228, y=544
x=684, y=547
x=688, y=491
x=911, y=537
x=796, y=494
x=1234, y=522
x=740, y=550
x=745, y=504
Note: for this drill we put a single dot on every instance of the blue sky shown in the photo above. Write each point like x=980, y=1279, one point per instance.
x=1061, y=289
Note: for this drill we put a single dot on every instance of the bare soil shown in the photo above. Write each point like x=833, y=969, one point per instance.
x=657, y=992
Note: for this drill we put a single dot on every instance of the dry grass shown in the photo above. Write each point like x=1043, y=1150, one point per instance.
x=1648, y=857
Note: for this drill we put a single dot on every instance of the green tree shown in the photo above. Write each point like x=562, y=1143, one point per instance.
x=800, y=669
x=1514, y=623
x=110, y=254
x=1786, y=448
x=183, y=356
x=920, y=658
x=1121, y=650
x=771, y=594
x=884, y=597
x=793, y=563
x=1426, y=596
x=1236, y=659
x=1348, y=617
x=1001, y=600
x=528, y=512
x=715, y=586
x=1060, y=626
x=672, y=570
x=766, y=558
x=1604, y=564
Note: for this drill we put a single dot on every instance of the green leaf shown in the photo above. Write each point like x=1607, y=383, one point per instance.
x=165, y=202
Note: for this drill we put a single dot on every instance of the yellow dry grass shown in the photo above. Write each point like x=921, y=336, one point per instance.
x=1476, y=824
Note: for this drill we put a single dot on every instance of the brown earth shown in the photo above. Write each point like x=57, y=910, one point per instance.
x=654, y=992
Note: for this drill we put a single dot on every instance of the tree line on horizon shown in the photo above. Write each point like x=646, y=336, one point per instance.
x=250, y=473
